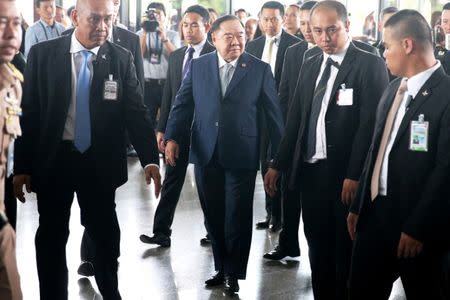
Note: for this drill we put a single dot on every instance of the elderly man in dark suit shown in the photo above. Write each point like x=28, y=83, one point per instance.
x=81, y=94
x=400, y=216
x=225, y=140
x=195, y=26
x=271, y=48
x=326, y=139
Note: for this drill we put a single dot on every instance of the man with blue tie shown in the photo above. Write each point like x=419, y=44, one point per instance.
x=225, y=92
x=81, y=93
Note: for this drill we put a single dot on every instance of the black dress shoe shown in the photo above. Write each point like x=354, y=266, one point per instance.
x=278, y=253
x=157, y=239
x=215, y=280
x=263, y=224
x=86, y=269
x=231, y=285
x=205, y=241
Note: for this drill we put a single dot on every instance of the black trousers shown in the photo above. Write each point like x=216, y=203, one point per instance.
x=375, y=265
x=229, y=215
x=10, y=202
x=288, y=239
x=71, y=173
x=153, y=92
x=325, y=226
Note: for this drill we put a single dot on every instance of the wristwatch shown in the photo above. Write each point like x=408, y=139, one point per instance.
x=164, y=41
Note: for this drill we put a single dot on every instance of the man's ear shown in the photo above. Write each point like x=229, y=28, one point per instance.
x=408, y=45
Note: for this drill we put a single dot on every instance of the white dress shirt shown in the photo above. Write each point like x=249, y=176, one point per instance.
x=197, y=50
x=222, y=64
x=414, y=84
x=273, y=57
x=321, y=139
x=75, y=48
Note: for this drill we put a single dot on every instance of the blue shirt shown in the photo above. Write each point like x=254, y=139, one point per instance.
x=40, y=32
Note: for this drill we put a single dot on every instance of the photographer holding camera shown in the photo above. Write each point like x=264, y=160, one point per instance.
x=157, y=43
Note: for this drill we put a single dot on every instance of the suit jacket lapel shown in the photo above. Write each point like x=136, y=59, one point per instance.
x=345, y=68
x=214, y=73
x=260, y=48
x=101, y=69
x=311, y=84
x=207, y=48
x=242, y=67
x=178, y=65
x=422, y=96
x=280, y=53
x=63, y=79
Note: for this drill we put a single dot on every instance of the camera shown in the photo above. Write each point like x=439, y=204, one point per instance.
x=149, y=21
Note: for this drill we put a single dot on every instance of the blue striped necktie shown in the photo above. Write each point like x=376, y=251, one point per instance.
x=82, y=139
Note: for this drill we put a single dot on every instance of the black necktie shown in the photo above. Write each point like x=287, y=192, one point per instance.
x=191, y=51
x=316, y=105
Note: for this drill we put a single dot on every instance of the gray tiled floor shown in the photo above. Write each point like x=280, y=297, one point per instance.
x=175, y=273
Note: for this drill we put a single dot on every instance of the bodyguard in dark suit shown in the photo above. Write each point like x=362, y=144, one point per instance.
x=129, y=41
x=195, y=26
x=288, y=244
x=326, y=140
x=271, y=48
x=225, y=140
x=400, y=215
x=81, y=93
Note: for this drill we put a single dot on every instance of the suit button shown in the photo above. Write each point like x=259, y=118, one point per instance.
x=217, y=124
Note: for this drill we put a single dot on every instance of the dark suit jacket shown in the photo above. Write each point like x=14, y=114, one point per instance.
x=293, y=60
x=348, y=128
x=129, y=41
x=173, y=82
x=366, y=47
x=46, y=100
x=256, y=48
x=226, y=125
x=418, y=182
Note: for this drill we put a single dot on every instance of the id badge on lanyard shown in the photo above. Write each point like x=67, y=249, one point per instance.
x=418, y=137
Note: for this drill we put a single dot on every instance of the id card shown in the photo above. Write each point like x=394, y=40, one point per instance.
x=110, y=89
x=155, y=58
x=345, y=96
x=418, y=139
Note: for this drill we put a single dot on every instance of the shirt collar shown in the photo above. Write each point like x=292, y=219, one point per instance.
x=75, y=46
x=222, y=61
x=338, y=57
x=198, y=47
x=46, y=24
x=416, y=82
x=311, y=45
x=277, y=37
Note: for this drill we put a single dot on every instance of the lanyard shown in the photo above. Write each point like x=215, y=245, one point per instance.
x=158, y=46
x=45, y=30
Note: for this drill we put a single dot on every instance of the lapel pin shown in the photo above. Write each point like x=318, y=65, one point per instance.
x=441, y=53
x=425, y=93
x=244, y=65
x=118, y=40
x=104, y=56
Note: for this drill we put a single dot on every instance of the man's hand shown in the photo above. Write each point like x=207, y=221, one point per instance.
x=160, y=141
x=270, y=181
x=172, y=153
x=19, y=181
x=408, y=247
x=352, y=220
x=349, y=191
x=152, y=172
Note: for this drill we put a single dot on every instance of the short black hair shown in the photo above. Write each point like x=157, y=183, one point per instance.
x=199, y=10
x=388, y=10
x=274, y=5
x=333, y=5
x=158, y=6
x=294, y=5
x=216, y=25
x=410, y=23
x=37, y=3
x=70, y=9
x=240, y=10
x=308, y=5
x=446, y=6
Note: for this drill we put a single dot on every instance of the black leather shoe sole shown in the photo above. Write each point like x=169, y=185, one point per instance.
x=215, y=280
x=155, y=240
x=86, y=269
x=278, y=255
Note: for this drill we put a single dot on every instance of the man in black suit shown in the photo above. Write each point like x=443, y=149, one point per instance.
x=129, y=41
x=385, y=14
x=195, y=26
x=288, y=244
x=271, y=48
x=80, y=95
x=400, y=215
x=326, y=139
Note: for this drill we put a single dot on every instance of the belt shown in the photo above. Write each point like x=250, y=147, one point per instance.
x=155, y=81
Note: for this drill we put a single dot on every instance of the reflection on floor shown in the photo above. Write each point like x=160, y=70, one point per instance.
x=178, y=272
